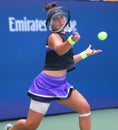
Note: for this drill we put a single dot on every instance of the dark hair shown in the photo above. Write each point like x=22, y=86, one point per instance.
x=50, y=6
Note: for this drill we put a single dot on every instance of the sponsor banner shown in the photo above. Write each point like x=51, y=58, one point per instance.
x=32, y=25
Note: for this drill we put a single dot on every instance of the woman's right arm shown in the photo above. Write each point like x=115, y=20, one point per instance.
x=56, y=43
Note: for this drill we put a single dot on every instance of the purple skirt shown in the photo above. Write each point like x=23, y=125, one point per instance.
x=47, y=88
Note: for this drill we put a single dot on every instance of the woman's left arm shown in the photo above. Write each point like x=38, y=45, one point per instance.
x=88, y=52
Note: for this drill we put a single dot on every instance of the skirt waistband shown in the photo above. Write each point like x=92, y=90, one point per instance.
x=53, y=77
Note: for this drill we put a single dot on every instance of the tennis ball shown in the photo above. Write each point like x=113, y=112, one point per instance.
x=102, y=35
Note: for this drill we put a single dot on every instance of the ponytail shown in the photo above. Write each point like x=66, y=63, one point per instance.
x=50, y=6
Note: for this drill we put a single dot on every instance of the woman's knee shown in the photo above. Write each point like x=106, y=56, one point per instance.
x=81, y=103
x=31, y=126
x=25, y=125
x=85, y=110
x=28, y=124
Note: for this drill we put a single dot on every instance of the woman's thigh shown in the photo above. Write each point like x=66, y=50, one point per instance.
x=77, y=102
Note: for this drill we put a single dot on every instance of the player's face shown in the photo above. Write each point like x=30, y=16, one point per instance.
x=58, y=22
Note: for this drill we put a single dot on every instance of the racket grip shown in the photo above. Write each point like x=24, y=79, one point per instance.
x=73, y=32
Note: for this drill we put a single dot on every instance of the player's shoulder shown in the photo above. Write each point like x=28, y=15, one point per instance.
x=54, y=35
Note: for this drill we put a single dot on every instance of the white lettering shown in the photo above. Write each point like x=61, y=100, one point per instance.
x=11, y=24
x=26, y=25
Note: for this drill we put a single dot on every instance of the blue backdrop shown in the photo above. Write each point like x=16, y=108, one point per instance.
x=22, y=51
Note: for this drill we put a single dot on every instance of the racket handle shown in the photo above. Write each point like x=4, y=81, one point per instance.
x=73, y=32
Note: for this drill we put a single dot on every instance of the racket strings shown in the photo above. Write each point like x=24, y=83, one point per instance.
x=53, y=14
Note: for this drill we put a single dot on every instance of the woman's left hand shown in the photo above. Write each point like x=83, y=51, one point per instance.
x=89, y=51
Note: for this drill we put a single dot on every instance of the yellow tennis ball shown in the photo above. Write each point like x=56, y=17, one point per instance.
x=102, y=35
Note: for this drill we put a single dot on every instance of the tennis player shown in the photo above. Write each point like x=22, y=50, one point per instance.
x=51, y=84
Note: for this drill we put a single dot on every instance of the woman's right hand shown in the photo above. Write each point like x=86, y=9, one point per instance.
x=76, y=37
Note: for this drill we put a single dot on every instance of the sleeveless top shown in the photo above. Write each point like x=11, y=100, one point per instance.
x=55, y=62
